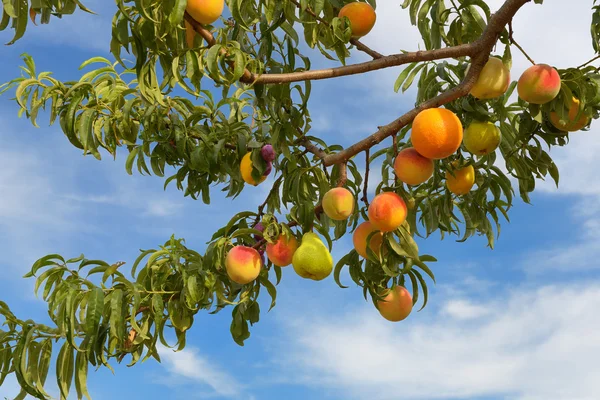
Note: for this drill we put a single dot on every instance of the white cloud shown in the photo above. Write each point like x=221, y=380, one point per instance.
x=463, y=309
x=519, y=348
x=192, y=366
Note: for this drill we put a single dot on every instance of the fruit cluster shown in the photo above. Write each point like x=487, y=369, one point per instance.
x=437, y=134
x=361, y=16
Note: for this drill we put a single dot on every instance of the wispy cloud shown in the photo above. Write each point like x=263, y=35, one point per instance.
x=193, y=367
x=517, y=347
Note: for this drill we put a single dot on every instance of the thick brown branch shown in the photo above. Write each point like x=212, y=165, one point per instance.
x=368, y=66
x=379, y=62
x=482, y=48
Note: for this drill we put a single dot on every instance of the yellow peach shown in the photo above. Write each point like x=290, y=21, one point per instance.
x=246, y=170
x=493, y=81
x=205, y=11
x=461, y=180
x=338, y=203
x=243, y=264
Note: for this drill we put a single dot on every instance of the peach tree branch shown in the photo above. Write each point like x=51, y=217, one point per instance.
x=481, y=48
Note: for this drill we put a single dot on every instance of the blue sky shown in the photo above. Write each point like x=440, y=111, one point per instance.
x=519, y=322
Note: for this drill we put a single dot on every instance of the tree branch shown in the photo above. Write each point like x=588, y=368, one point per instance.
x=588, y=62
x=481, y=51
x=312, y=148
x=379, y=62
x=382, y=62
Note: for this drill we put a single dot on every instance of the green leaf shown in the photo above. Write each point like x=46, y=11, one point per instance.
x=270, y=288
x=95, y=306
x=64, y=370
x=403, y=75
x=81, y=371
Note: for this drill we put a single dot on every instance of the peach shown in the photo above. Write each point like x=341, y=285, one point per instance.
x=362, y=18
x=387, y=211
x=461, y=180
x=571, y=125
x=243, y=264
x=281, y=252
x=412, y=168
x=359, y=239
x=493, y=80
x=246, y=170
x=396, y=305
x=338, y=203
x=539, y=84
x=205, y=11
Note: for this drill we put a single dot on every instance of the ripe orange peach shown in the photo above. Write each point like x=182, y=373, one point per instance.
x=362, y=18
x=205, y=11
x=243, y=264
x=359, y=239
x=412, y=168
x=387, y=211
x=539, y=84
x=572, y=124
x=436, y=133
x=396, y=305
x=281, y=252
x=338, y=203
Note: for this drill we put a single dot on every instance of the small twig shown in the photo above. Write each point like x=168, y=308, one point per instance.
x=312, y=148
x=343, y=175
x=589, y=62
x=513, y=41
x=365, y=198
x=274, y=189
x=325, y=171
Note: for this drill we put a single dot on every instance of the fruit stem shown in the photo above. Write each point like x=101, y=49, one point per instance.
x=513, y=41
x=343, y=175
x=365, y=199
x=589, y=62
